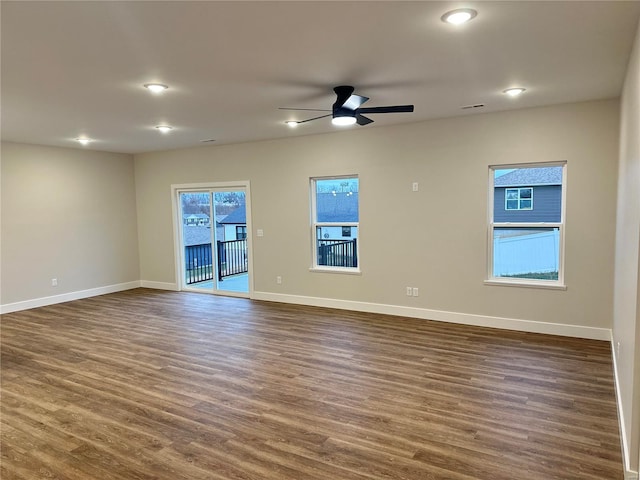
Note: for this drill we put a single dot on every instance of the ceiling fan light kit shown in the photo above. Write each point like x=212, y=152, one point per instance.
x=343, y=117
x=343, y=121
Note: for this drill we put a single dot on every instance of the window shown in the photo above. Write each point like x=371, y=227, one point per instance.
x=518, y=199
x=526, y=246
x=241, y=232
x=335, y=222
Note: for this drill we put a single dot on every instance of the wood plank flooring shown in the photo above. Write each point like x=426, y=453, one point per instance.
x=160, y=385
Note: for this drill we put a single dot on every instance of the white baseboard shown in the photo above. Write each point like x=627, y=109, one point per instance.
x=67, y=297
x=159, y=285
x=423, y=313
x=628, y=473
x=443, y=316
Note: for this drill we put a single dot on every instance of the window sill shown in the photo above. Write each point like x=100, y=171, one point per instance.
x=525, y=284
x=343, y=271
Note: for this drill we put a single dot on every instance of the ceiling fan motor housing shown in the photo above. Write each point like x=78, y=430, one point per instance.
x=343, y=112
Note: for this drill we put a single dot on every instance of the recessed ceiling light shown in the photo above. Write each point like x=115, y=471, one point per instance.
x=292, y=123
x=84, y=140
x=164, y=128
x=514, y=92
x=155, y=87
x=459, y=16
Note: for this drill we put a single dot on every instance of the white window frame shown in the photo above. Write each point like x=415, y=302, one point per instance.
x=241, y=230
x=492, y=225
x=315, y=224
x=519, y=199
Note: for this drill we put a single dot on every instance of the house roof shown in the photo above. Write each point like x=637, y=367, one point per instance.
x=559, y=58
x=337, y=208
x=196, y=235
x=529, y=177
x=195, y=215
x=237, y=217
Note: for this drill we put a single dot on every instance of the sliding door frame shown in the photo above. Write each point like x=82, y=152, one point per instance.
x=178, y=249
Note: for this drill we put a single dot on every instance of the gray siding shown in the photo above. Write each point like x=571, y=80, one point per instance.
x=547, y=202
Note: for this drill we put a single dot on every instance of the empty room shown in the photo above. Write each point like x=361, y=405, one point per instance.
x=291, y=240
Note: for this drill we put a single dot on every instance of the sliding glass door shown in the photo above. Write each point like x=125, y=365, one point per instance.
x=213, y=240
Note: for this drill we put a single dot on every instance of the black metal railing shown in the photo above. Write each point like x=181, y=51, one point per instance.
x=337, y=253
x=232, y=258
x=199, y=263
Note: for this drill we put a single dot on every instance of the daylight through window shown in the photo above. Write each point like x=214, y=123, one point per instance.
x=525, y=239
x=335, y=221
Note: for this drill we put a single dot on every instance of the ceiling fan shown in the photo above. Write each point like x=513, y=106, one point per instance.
x=347, y=109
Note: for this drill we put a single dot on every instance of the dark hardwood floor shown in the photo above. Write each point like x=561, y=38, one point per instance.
x=149, y=384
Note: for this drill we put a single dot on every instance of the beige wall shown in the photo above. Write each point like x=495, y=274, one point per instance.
x=67, y=214
x=626, y=325
x=434, y=239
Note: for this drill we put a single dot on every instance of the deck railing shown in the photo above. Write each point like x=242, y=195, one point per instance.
x=337, y=253
x=232, y=260
x=199, y=263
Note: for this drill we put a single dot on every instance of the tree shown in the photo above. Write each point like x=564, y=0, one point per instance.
x=229, y=198
x=195, y=203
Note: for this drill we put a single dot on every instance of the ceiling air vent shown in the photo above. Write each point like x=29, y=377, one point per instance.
x=468, y=107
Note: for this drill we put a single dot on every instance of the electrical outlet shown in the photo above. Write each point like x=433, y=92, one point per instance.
x=409, y=291
x=54, y=282
x=260, y=233
x=415, y=291
x=414, y=186
x=279, y=280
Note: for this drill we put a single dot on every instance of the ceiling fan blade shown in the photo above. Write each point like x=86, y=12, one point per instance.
x=314, y=118
x=354, y=102
x=306, y=109
x=393, y=109
x=362, y=120
x=343, y=92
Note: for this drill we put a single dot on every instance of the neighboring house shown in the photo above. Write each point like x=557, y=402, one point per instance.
x=528, y=195
x=339, y=207
x=193, y=219
x=196, y=235
x=235, y=224
x=338, y=233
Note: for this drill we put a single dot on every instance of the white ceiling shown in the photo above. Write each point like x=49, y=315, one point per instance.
x=77, y=68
